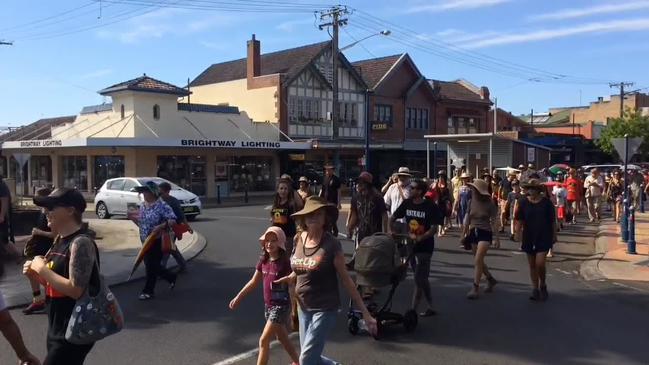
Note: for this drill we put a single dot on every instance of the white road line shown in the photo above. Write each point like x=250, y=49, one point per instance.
x=563, y=271
x=252, y=353
x=628, y=287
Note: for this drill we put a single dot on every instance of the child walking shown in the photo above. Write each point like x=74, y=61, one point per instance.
x=273, y=265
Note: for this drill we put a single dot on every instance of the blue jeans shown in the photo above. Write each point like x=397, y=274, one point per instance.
x=314, y=329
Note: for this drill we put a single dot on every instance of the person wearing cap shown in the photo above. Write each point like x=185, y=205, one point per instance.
x=461, y=205
x=318, y=264
x=304, y=190
x=331, y=192
x=284, y=205
x=536, y=226
x=174, y=204
x=155, y=216
x=422, y=218
x=273, y=264
x=594, y=185
x=480, y=225
x=523, y=174
x=399, y=191
x=367, y=213
x=66, y=271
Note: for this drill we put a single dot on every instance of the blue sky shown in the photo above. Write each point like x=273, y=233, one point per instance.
x=544, y=53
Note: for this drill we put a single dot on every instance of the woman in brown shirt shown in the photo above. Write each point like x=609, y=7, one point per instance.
x=481, y=223
x=317, y=264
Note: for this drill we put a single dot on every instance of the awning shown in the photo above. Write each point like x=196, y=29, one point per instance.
x=478, y=137
x=156, y=142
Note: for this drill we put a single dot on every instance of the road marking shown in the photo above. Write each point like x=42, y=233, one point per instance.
x=252, y=353
x=517, y=252
x=628, y=287
x=563, y=271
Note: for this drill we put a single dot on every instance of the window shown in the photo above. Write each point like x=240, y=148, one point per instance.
x=108, y=167
x=128, y=185
x=121, y=111
x=463, y=124
x=115, y=184
x=383, y=114
x=188, y=172
x=75, y=172
x=156, y=112
x=417, y=118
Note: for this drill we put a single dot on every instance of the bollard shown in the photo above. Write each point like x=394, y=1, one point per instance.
x=218, y=194
x=631, y=242
x=624, y=222
x=245, y=195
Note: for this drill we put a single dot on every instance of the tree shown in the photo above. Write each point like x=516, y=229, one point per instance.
x=633, y=124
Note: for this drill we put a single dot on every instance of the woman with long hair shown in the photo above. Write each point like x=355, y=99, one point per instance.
x=615, y=191
x=66, y=271
x=480, y=226
x=461, y=205
x=536, y=225
x=284, y=205
x=318, y=264
x=443, y=193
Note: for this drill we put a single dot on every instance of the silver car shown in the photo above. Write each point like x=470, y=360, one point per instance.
x=115, y=195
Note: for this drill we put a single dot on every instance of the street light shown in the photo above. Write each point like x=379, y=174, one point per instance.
x=383, y=32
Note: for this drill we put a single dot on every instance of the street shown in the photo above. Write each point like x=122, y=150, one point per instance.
x=582, y=322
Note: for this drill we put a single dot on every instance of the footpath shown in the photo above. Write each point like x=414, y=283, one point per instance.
x=119, y=243
x=612, y=261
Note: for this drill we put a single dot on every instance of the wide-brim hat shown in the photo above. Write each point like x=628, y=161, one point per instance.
x=465, y=175
x=149, y=186
x=481, y=186
x=281, y=237
x=62, y=197
x=313, y=204
x=521, y=166
x=533, y=184
x=404, y=171
x=303, y=179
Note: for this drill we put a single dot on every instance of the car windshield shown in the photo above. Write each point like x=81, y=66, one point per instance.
x=158, y=181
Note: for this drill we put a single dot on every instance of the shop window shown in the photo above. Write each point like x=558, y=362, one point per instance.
x=75, y=172
x=253, y=173
x=121, y=111
x=156, y=112
x=186, y=171
x=107, y=167
x=41, y=171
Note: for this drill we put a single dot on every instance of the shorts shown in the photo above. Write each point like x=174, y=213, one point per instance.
x=479, y=235
x=533, y=249
x=561, y=212
x=277, y=313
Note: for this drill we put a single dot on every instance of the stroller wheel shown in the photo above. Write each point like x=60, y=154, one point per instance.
x=352, y=325
x=410, y=320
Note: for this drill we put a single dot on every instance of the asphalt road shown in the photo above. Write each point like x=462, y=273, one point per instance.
x=582, y=323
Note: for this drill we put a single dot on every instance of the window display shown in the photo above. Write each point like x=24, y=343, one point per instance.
x=186, y=171
x=253, y=172
x=75, y=172
x=41, y=167
x=107, y=167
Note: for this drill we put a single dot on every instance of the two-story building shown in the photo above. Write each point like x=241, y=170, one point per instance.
x=144, y=132
x=293, y=88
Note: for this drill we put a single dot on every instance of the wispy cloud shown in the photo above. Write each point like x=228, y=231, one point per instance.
x=292, y=25
x=627, y=25
x=451, y=5
x=572, y=13
x=457, y=36
x=220, y=46
x=96, y=74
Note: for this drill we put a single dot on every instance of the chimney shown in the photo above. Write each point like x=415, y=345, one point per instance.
x=484, y=93
x=600, y=99
x=254, y=58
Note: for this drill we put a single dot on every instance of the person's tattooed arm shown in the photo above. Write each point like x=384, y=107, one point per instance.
x=82, y=261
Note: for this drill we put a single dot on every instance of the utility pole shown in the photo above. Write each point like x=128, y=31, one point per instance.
x=621, y=85
x=335, y=14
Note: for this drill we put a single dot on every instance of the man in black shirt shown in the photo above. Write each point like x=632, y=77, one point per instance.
x=165, y=189
x=331, y=192
x=6, y=236
x=422, y=218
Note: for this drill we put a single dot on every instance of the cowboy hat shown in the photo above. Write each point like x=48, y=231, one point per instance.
x=481, y=186
x=403, y=171
x=533, y=183
x=281, y=237
x=465, y=175
x=313, y=204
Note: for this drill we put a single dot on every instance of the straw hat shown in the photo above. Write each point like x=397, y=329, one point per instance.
x=481, y=186
x=281, y=237
x=465, y=175
x=312, y=204
x=403, y=171
x=533, y=183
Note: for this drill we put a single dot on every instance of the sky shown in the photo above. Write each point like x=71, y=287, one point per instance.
x=532, y=54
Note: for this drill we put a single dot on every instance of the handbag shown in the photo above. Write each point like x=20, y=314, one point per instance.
x=94, y=317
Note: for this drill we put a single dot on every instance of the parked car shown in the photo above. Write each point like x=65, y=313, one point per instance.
x=115, y=195
x=608, y=169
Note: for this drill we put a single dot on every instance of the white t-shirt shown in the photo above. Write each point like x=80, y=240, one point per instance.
x=594, y=191
x=395, y=196
x=3, y=305
x=561, y=194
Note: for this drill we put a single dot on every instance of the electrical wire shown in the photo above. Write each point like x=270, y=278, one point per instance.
x=359, y=43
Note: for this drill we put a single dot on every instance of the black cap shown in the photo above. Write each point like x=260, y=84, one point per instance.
x=62, y=197
x=149, y=186
x=165, y=186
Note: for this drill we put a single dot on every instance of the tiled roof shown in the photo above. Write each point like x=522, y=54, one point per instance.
x=40, y=129
x=148, y=84
x=372, y=71
x=454, y=90
x=96, y=108
x=289, y=61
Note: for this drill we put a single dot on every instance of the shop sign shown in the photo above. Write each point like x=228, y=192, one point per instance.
x=531, y=154
x=379, y=126
x=297, y=156
x=229, y=143
x=42, y=143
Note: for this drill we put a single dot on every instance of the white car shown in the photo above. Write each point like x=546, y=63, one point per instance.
x=115, y=195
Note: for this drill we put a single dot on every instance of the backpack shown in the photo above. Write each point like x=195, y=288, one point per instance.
x=377, y=259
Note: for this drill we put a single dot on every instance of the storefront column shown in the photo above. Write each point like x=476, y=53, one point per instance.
x=56, y=170
x=29, y=177
x=210, y=175
x=91, y=175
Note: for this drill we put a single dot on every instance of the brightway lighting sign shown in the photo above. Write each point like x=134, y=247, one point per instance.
x=157, y=142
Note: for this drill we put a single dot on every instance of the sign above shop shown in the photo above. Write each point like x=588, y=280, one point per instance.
x=297, y=156
x=379, y=126
x=156, y=142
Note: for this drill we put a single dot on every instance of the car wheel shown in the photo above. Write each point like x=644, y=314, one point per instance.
x=191, y=218
x=102, y=211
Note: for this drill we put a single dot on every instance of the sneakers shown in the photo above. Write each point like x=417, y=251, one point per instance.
x=536, y=295
x=491, y=283
x=34, y=307
x=145, y=296
x=474, y=293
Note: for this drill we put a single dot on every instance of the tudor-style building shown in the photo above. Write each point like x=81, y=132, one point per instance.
x=292, y=89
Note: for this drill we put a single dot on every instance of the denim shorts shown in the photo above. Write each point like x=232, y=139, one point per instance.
x=479, y=235
x=277, y=313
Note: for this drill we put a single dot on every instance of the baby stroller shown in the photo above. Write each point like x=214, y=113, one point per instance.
x=381, y=261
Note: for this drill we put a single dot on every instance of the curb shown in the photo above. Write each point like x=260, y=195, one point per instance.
x=190, y=252
x=589, y=270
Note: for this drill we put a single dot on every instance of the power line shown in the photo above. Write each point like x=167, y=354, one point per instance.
x=360, y=44
x=38, y=21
